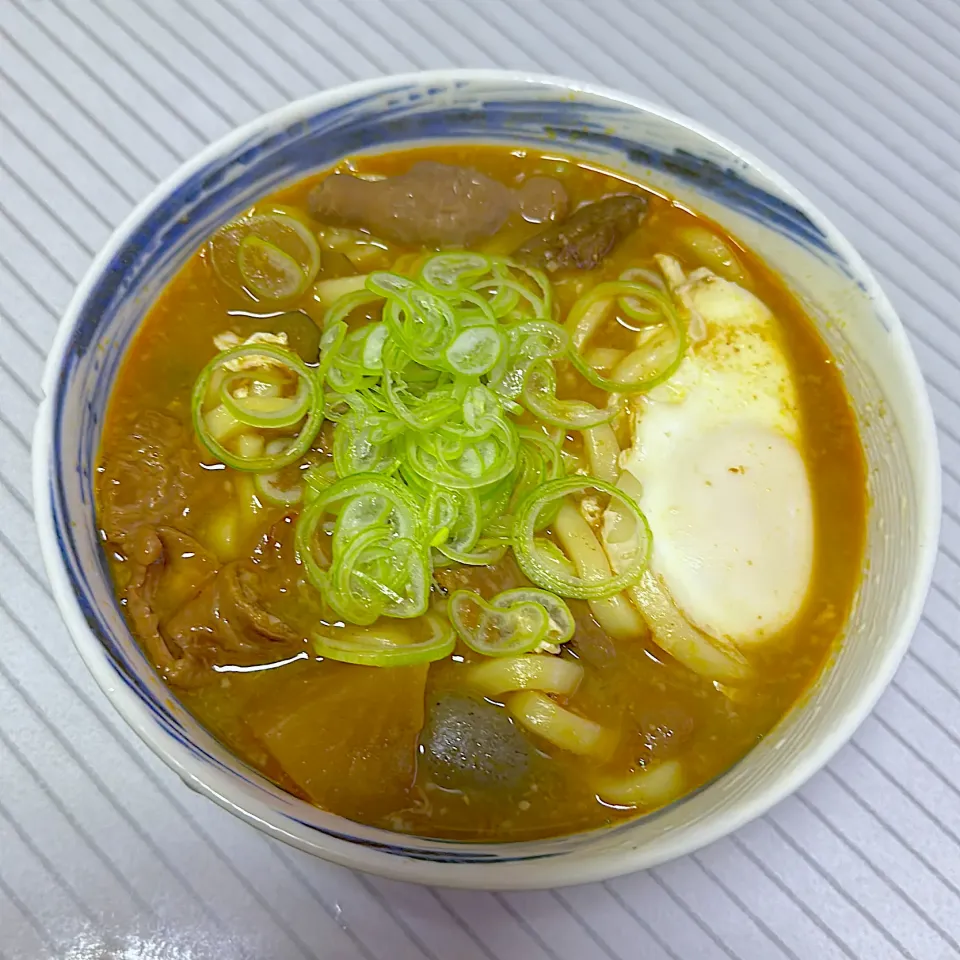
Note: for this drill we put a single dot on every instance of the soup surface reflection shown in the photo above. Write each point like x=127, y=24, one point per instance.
x=476, y=493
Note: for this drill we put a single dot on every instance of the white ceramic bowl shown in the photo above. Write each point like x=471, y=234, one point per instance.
x=668, y=151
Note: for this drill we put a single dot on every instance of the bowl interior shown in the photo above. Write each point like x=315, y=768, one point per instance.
x=750, y=201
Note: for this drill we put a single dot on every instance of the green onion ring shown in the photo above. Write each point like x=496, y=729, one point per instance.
x=298, y=444
x=580, y=332
x=517, y=628
x=550, y=575
x=371, y=650
x=293, y=411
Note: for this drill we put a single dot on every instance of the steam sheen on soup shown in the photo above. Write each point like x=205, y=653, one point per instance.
x=477, y=493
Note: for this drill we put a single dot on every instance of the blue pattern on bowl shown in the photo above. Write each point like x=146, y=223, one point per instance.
x=533, y=113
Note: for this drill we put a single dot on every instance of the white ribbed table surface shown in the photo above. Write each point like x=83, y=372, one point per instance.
x=103, y=853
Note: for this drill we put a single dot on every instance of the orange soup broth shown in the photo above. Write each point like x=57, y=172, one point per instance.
x=660, y=708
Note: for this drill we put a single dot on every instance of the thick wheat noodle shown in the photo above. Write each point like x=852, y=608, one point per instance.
x=603, y=452
x=615, y=614
x=652, y=786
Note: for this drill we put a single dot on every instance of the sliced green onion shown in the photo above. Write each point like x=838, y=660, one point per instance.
x=372, y=349
x=485, y=552
x=475, y=350
x=450, y=273
x=420, y=407
x=297, y=445
x=539, y=460
x=561, y=624
x=272, y=255
x=267, y=271
x=529, y=341
x=356, y=448
x=317, y=478
x=388, y=284
x=544, y=570
x=377, y=564
x=497, y=631
x=639, y=373
x=421, y=376
x=641, y=310
x=265, y=411
x=511, y=289
x=378, y=574
x=455, y=514
x=540, y=398
x=422, y=323
x=481, y=463
x=379, y=646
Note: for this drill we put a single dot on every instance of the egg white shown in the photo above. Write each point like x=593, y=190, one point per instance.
x=725, y=486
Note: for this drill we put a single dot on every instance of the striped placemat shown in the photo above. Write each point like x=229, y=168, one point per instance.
x=103, y=854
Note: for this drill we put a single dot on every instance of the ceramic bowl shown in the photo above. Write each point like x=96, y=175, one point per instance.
x=601, y=126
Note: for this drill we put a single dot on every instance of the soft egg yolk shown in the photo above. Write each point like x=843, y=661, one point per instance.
x=725, y=486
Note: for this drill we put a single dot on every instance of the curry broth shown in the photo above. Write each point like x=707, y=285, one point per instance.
x=273, y=718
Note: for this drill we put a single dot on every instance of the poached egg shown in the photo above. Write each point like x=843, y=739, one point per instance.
x=725, y=487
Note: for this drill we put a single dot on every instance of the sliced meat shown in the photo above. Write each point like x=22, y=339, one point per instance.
x=433, y=204
x=164, y=569
x=144, y=482
x=587, y=236
x=281, y=582
x=190, y=614
x=346, y=735
x=227, y=615
x=470, y=744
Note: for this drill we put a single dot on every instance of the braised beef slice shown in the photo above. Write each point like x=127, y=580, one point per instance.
x=228, y=615
x=144, y=481
x=587, y=236
x=164, y=569
x=433, y=204
x=190, y=614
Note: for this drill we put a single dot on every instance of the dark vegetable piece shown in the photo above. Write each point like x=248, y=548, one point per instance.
x=469, y=743
x=435, y=204
x=586, y=237
x=303, y=335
